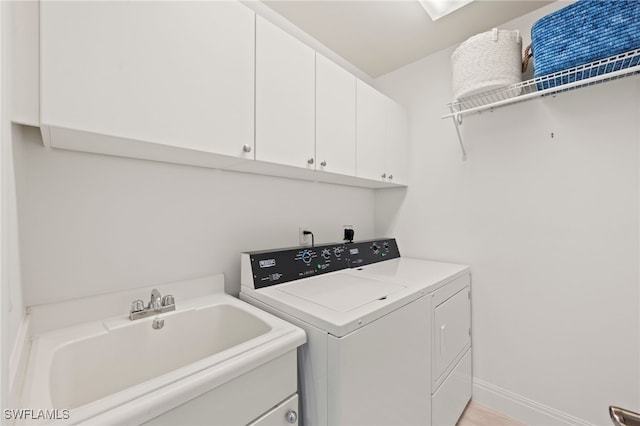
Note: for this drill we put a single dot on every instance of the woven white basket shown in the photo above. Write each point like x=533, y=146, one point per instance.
x=487, y=61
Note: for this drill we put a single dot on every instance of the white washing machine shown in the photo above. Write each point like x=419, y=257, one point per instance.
x=368, y=355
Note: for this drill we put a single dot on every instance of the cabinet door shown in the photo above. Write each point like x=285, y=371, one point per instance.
x=370, y=133
x=285, y=98
x=397, y=146
x=335, y=118
x=174, y=73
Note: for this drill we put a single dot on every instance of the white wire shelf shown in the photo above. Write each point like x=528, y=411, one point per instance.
x=623, y=65
x=615, y=67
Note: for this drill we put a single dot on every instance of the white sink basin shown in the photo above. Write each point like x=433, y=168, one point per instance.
x=135, y=352
x=117, y=370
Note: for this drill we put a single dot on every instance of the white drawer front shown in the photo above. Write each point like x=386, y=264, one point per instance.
x=239, y=401
x=285, y=414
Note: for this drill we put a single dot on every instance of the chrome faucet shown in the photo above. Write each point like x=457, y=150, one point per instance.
x=157, y=305
x=156, y=300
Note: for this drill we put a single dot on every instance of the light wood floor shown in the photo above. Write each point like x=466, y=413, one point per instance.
x=479, y=415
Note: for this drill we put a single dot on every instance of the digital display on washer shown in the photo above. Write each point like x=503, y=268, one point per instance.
x=284, y=265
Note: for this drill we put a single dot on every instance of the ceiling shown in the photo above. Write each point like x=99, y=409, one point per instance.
x=379, y=36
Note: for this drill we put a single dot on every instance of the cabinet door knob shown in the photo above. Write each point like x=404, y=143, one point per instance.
x=384, y=175
x=324, y=163
x=390, y=177
x=291, y=416
x=246, y=148
x=310, y=161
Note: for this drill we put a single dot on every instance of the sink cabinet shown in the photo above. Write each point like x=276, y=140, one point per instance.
x=262, y=396
x=285, y=414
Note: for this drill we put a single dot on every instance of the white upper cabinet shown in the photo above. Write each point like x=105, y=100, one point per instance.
x=177, y=74
x=335, y=118
x=397, y=166
x=371, y=133
x=285, y=98
x=205, y=83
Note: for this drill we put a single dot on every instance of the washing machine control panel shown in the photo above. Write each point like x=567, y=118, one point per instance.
x=280, y=266
x=272, y=267
x=372, y=251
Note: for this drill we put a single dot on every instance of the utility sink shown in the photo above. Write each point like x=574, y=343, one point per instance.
x=125, y=355
x=97, y=368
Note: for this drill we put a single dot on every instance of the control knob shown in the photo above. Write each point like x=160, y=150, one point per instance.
x=337, y=251
x=375, y=248
x=306, y=256
x=326, y=253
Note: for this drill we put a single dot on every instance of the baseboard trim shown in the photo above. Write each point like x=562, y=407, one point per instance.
x=520, y=408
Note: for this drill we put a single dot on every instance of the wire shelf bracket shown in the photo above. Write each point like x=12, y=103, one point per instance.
x=615, y=67
x=457, y=122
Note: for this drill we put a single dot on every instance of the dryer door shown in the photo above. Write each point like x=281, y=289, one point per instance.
x=452, y=335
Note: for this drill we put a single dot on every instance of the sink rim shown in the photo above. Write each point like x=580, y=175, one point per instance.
x=215, y=369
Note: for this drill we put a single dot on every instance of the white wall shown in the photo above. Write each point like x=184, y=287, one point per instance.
x=274, y=17
x=11, y=301
x=549, y=227
x=92, y=224
x=4, y=305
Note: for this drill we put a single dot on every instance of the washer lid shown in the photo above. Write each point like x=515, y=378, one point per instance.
x=340, y=292
x=413, y=273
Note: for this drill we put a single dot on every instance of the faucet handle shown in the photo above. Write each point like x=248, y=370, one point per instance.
x=168, y=300
x=137, y=306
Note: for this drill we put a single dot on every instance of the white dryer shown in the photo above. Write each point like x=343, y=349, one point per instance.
x=450, y=290
x=367, y=360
